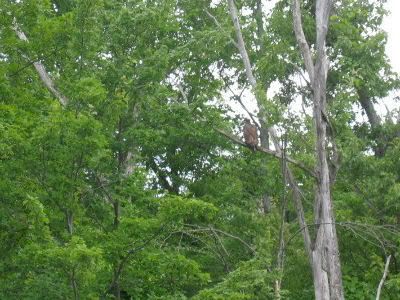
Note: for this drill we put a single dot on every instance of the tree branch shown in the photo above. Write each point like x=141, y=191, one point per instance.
x=41, y=70
x=322, y=12
x=130, y=252
x=238, y=141
x=198, y=228
x=241, y=45
x=220, y=27
x=385, y=272
x=301, y=39
x=238, y=98
x=300, y=71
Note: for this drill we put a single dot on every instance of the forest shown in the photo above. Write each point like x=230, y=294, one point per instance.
x=198, y=149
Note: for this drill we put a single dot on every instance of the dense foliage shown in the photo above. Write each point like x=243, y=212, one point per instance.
x=129, y=191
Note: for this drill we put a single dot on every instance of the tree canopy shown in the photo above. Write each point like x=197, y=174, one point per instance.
x=123, y=174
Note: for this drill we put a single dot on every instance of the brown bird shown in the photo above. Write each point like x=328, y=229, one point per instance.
x=250, y=134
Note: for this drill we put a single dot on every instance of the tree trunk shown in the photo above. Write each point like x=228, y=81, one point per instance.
x=69, y=216
x=325, y=253
x=374, y=120
x=74, y=285
x=116, y=207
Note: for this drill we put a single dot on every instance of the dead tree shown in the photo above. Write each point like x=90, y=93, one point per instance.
x=322, y=251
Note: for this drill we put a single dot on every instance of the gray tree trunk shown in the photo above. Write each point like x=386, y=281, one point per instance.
x=325, y=251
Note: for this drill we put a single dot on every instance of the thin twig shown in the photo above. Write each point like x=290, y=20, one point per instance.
x=220, y=27
x=301, y=39
x=300, y=71
x=198, y=228
x=238, y=98
x=219, y=241
x=128, y=254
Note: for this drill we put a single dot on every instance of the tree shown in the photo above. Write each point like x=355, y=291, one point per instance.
x=124, y=175
x=324, y=254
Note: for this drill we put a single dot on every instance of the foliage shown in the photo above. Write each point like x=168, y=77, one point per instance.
x=130, y=192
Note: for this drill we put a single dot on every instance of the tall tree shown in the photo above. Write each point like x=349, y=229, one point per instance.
x=325, y=250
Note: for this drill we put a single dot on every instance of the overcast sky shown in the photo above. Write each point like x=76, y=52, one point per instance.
x=392, y=26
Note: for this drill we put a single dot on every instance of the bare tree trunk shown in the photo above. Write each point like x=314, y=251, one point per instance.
x=69, y=216
x=117, y=291
x=368, y=106
x=281, y=247
x=264, y=136
x=385, y=273
x=325, y=254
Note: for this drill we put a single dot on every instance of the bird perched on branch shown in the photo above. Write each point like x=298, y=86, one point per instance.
x=250, y=134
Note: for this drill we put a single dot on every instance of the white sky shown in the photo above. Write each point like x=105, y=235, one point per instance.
x=391, y=25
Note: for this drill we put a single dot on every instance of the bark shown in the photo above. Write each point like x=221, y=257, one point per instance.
x=264, y=135
x=325, y=253
x=258, y=16
x=374, y=120
x=281, y=249
x=117, y=211
x=266, y=203
x=241, y=45
x=116, y=289
x=385, y=273
x=129, y=165
x=301, y=39
x=69, y=216
x=368, y=106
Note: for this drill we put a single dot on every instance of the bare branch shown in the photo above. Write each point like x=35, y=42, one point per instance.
x=220, y=27
x=385, y=272
x=41, y=70
x=236, y=238
x=241, y=45
x=127, y=256
x=281, y=248
x=300, y=71
x=252, y=117
x=301, y=39
x=322, y=10
x=198, y=228
x=238, y=98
